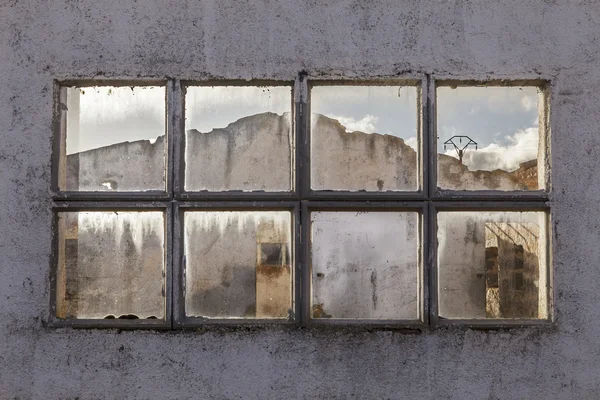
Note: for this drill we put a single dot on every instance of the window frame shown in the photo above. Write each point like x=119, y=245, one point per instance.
x=180, y=319
x=87, y=206
x=427, y=200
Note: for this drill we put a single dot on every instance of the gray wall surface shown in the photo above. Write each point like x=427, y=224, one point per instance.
x=41, y=41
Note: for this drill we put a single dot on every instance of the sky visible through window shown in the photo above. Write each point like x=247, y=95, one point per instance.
x=502, y=120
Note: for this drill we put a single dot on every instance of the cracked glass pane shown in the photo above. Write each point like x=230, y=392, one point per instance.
x=492, y=265
x=111, y=265
x=238, y=138
x=364, y=138
x=488, y=138
x=113, y=139
x=365, y=265
x=238, y=264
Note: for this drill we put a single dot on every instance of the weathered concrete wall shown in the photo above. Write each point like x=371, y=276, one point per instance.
x=41, y=41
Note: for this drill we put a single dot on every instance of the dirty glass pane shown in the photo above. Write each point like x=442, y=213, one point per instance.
x=492, y=265
x=364, y=138
x=111, y=265
x=365, y=265
x=238, y=264
x=488, y=138
x=113, y=139
x=238, y=138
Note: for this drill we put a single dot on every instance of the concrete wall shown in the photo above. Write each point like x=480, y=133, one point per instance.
x=41, y=41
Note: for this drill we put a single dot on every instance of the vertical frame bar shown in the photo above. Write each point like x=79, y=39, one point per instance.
x=431, y=133
x=178, y=268
x=302, y=131
x=168, y=281
x=423, y=265
x=58, y=128
x=306, y=267
x=298, y=258
x=176, y=135
x=423, y=137
x=432, y=265
x=544, y=115
x=549, y=267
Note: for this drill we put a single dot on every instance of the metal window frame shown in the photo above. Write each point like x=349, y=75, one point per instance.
x=59, y=137
x=436, y=193
x=181, y=320
x=420, y=208
x=181, y=193
x=68, y=206
x=420, y=83
x=301, y=200
x=484, y=206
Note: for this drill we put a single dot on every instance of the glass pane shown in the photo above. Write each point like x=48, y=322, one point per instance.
x=365, y=265
x=113, y=139
x=238, y=264
x=488, y=138
x=364, y=138
x=238, y=138
x=492, y=265
x=111, y=265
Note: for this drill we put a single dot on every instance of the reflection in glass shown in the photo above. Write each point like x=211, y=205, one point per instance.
x=113, y=139
x=488, y=138
x=238, y=138
x=365, y=265
x=364, y=138
x=492, y=265
x=238, y=264
x=111, y=265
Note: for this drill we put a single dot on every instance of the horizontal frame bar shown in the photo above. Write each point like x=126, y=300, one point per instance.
x=60, y=206
x=185, y=83
x=384, y=81
x=491, y=82
x=493, y=324
x=180, y=320
x=489, y=206
x=84, y=323
x=369, y=323
x=124, y=324
x=116, y=82
x=491, y=195
x=364, y=206
x=236, y=196
x=112, y=196
x=339, y=195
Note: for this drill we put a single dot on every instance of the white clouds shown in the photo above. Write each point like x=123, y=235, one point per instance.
x=366, y=124
x=522, y=146
x=528, y=102
x=412, y=142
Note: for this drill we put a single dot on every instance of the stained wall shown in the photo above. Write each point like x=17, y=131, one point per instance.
x=42, y=41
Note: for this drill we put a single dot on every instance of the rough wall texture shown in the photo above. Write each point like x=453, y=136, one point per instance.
x=41, y=41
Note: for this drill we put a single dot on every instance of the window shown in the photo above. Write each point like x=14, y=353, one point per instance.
x=398, y=203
